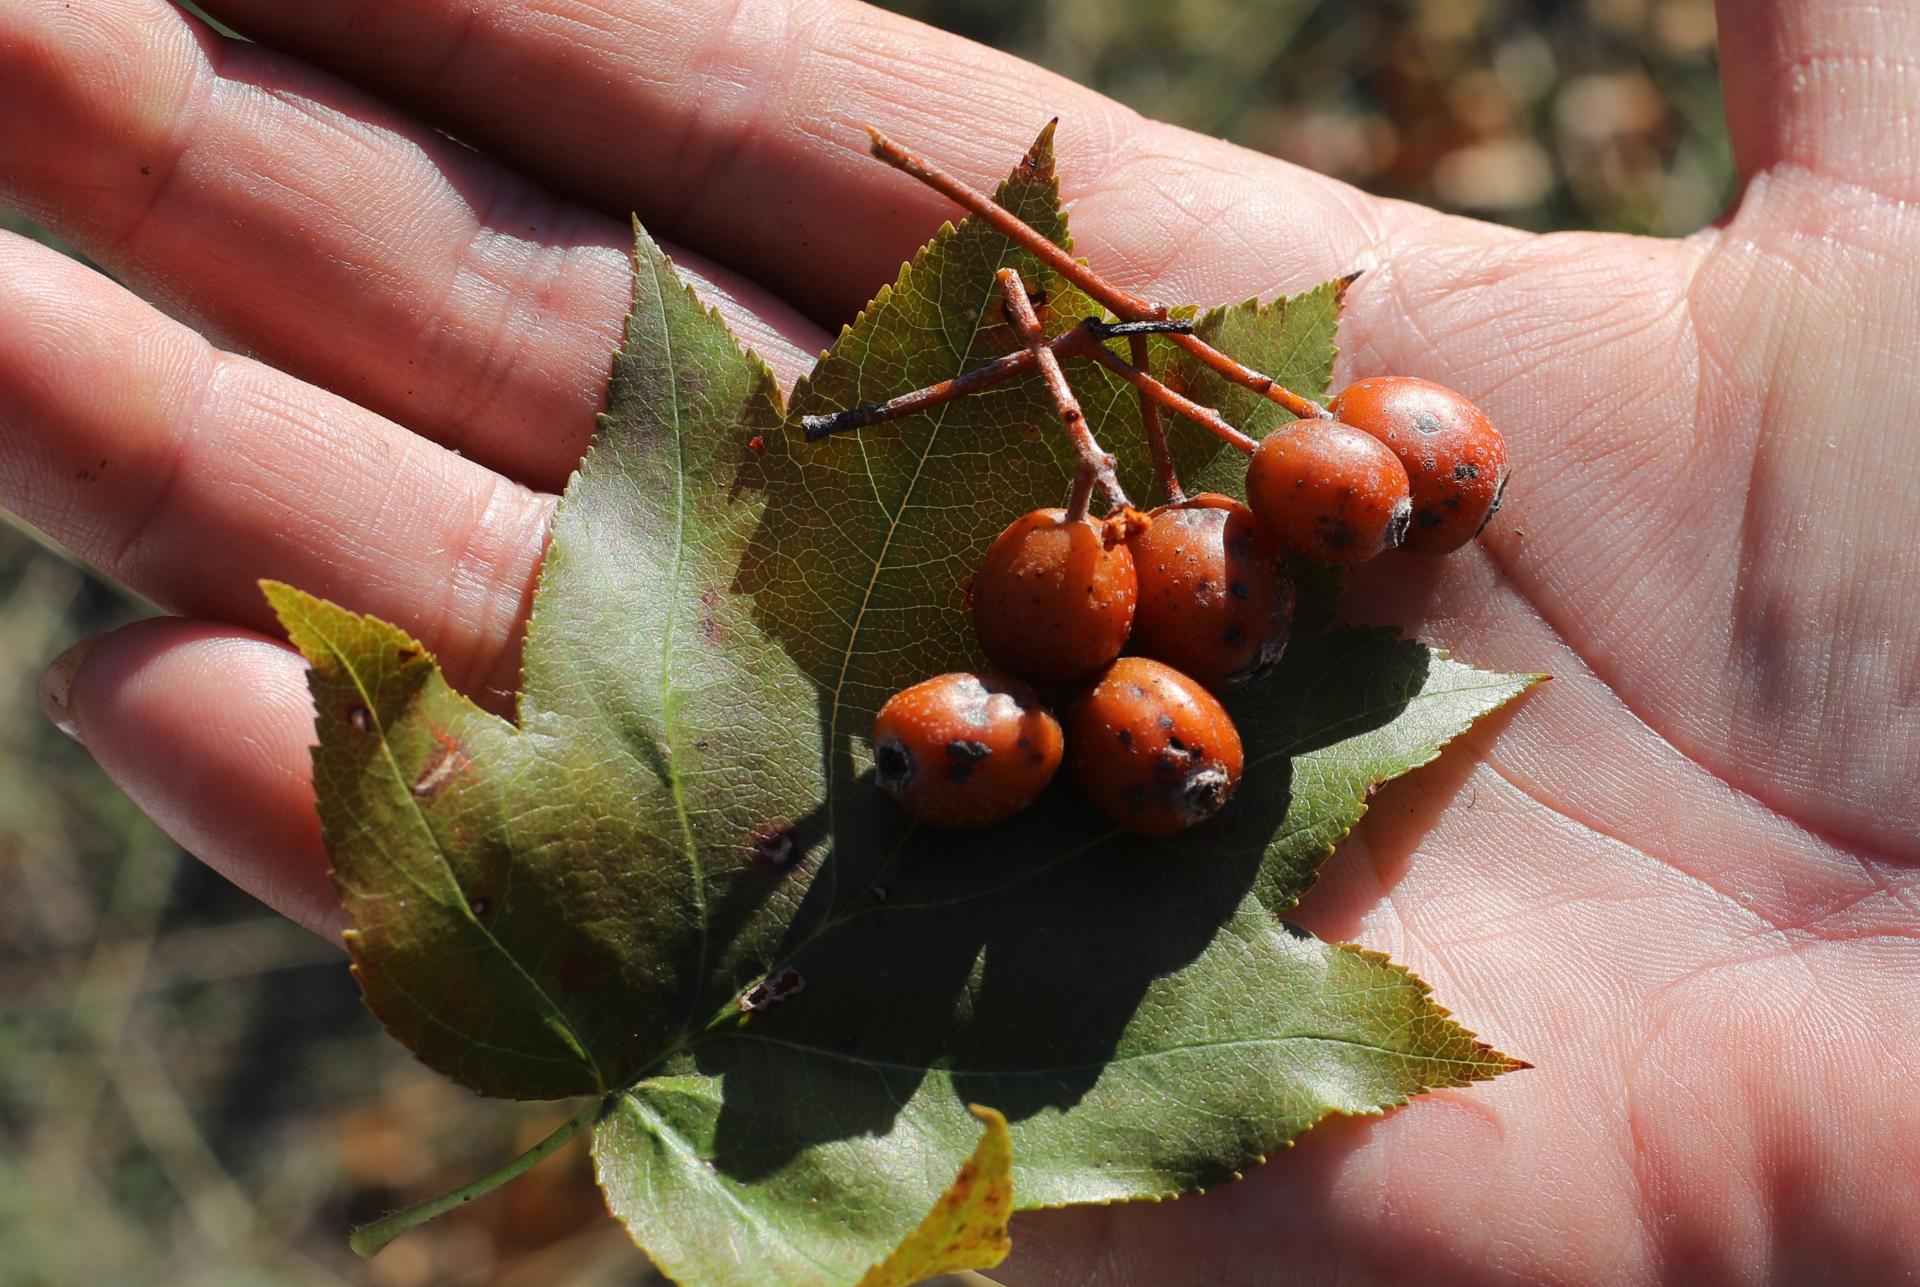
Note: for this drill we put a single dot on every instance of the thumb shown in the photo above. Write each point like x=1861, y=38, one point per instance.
x=1828, y=86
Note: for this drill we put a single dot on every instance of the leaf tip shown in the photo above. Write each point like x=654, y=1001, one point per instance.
x=992, y=1118
x=284, y=599
x=1038, y=161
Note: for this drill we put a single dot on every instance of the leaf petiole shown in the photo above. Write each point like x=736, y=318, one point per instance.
x=371, y=1239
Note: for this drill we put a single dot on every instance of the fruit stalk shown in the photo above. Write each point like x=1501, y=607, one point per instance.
x=370, y=1239
x=1156, y=432
x=1096, y=466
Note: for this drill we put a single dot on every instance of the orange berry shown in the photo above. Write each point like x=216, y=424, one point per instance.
x=1216, y=601
x=965, y=750
x=1151, y=748
x=1328, y=491
x=1053, y=601
x=1456, y=461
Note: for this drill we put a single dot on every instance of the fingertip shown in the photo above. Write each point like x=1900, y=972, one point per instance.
x=207, y=729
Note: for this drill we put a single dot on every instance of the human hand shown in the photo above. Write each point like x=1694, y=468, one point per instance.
x=1680, y=879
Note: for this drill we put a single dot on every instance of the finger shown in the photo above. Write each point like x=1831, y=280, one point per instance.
x=1829, y=86
x=293, y=218
x=189, y=473
x=207, y=729
x=737, y=129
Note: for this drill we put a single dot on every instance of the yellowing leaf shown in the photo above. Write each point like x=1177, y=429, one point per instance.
x=967, y=1228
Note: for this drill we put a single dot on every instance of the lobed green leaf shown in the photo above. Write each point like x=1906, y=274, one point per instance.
x=674, y=883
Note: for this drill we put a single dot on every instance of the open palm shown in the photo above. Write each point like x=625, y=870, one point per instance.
x=1682, y=879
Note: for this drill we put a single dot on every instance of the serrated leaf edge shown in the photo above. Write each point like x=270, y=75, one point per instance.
x=1498, y=1064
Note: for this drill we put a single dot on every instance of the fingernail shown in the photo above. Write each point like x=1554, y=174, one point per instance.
x=56, y=686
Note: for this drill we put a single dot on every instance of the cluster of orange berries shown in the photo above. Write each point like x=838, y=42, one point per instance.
x=1200, y=590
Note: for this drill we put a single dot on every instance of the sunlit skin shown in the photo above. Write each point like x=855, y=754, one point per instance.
x=1681, y=879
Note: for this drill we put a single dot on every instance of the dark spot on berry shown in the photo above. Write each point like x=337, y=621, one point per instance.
x=1334, y=532
x=1176, y=744
x=1126, y=737
x=1136, y=690
x=1426, y=422
x=1427, y=518
x=892, y=765
x=1166, y=724
x=1135, y=797
x=1233, y=637
x=1238, y=589
x=962, y=756
x=1499, y=494
x=1451, y=502
x=1464, y=470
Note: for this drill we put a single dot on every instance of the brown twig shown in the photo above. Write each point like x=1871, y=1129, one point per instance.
x=981, y=377
x=1124, y=303
x=995, y=372
x=1094, y=462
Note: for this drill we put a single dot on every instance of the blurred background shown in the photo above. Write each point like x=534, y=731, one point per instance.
x=190, y=1091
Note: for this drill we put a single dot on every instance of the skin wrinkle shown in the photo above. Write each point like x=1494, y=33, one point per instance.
x=1766, y=655
x=696, y=170
x=1412, y=313
x=524, y=312
x=1736, y=794
x=287, y=164
x=498, y=586
x=200, y=89
x=188, y=417
x=459, y=42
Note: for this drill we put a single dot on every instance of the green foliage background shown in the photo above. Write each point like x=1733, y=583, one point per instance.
x=188, y=1083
